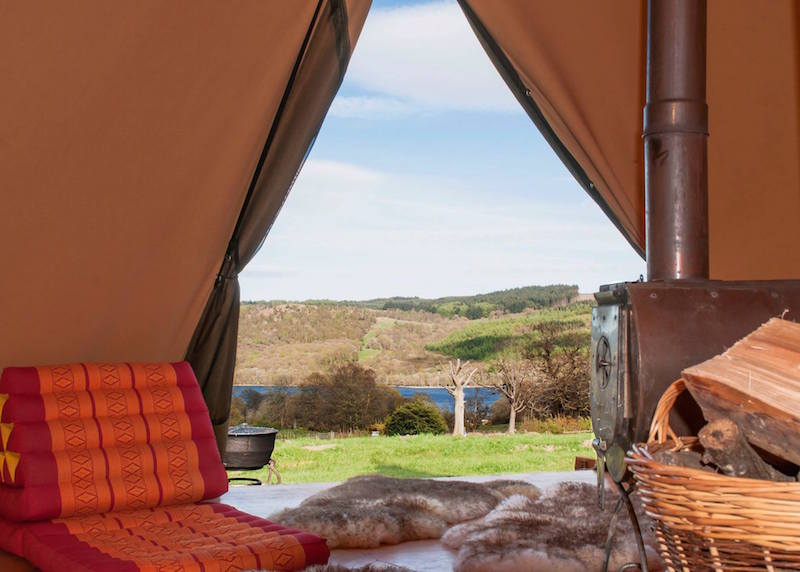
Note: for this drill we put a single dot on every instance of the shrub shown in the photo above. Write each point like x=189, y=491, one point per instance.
x=415, y=418
x=558, y=424
x=449, y=419
x=346, y=398
x=474, y=312
x=238, y=409
x=501, y=411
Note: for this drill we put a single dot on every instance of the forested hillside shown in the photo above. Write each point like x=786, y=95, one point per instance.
x=489, y=339
x=511, y=301
x=283, y=343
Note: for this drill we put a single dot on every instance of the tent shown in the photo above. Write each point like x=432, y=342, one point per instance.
x=146, y=149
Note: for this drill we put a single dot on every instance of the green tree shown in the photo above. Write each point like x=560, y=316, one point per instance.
x=474, y=312
x=415, y=418
x=252, y=399
x=348, y=397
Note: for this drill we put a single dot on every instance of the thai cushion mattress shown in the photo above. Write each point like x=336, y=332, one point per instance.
x=102, y=467
x=93, y=438
x=202, y=537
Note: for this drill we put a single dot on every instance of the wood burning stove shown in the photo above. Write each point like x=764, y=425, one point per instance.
x=645, y=333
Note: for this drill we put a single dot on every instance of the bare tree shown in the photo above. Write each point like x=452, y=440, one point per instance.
x=459, y=379
x=513, y=380
x=558, y=353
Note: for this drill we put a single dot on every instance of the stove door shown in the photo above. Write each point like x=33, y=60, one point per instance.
x=610, y=408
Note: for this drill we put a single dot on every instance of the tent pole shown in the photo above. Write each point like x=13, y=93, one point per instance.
x=676, y=141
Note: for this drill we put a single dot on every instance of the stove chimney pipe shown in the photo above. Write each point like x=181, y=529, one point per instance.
x=676, y=141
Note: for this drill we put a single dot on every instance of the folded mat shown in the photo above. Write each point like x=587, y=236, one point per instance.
x=92, y=438
x=124, y=451
x=199, y=537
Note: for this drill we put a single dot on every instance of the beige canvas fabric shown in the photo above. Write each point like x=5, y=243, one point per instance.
x=584, y=64
x=129, y=135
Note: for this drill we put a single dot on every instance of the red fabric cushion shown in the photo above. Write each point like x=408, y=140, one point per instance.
x=196, y=537
x=92, y=438
x=94, y=442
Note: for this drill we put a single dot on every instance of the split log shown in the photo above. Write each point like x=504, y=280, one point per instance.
x=726, y=447
x=687, y=459
x=756, y=384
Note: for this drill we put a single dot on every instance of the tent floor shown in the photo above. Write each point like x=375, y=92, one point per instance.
x=422, y=556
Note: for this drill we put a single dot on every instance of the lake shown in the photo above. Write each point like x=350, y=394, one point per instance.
x=438, y=395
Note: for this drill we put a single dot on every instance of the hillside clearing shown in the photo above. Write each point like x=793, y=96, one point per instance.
x=488, y=338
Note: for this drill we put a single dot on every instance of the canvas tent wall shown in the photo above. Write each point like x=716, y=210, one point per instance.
x=145, y=150
x=578, y=68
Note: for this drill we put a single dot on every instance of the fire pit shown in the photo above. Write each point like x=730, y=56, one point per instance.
x=249, y=448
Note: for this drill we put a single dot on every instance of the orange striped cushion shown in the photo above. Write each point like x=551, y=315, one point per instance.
x=190, y=538
x=92, y=438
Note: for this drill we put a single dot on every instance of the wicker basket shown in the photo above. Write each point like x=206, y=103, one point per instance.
x=708, y=521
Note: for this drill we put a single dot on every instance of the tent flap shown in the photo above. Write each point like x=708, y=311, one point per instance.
x=528, y=102
x=578, y=67
x=130, y=133
x=318, y=73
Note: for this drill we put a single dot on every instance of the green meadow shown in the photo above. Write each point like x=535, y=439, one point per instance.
x=309, y=460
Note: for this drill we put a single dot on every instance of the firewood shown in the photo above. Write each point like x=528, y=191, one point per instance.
x=687, y=459
x=726, y=447
x=756, y=384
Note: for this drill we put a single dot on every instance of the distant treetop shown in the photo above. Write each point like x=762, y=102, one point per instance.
x=511, y=301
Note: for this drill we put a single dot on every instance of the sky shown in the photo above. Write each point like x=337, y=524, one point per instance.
x=428, y=179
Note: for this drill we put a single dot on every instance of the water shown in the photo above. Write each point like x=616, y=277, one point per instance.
x=443, y=399
x=438, y=395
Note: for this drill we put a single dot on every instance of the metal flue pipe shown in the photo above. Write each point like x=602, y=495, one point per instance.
x=676, y=141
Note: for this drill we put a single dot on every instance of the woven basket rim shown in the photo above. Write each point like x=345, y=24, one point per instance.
x=716, y=520
x=639, y=456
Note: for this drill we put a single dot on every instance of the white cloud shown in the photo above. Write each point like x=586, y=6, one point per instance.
x=348, y=232
x=321, y=170
x=371, y=107
x=255, y=270
x=423, y=58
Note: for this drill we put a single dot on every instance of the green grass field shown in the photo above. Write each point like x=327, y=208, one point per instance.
x=327, y=460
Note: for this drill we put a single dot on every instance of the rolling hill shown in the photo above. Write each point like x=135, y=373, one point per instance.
x=510, y=301
x=405, y=340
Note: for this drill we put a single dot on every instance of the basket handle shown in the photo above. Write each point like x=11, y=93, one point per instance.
x=660, y=429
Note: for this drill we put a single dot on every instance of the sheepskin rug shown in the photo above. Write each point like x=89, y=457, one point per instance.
x=563, y=531
x=374, y=567
x=367, y=511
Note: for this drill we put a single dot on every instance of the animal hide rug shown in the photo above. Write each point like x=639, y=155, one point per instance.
x=563, y=531
x=367, y=511
x=373, y=567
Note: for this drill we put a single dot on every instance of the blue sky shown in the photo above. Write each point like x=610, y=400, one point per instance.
x=427, y=179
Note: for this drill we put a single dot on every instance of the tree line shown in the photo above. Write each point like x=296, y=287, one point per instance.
x=546, y=376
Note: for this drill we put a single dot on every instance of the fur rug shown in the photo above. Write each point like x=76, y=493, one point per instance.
x=373, y=567
x=561, y=532
x=365, y=512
